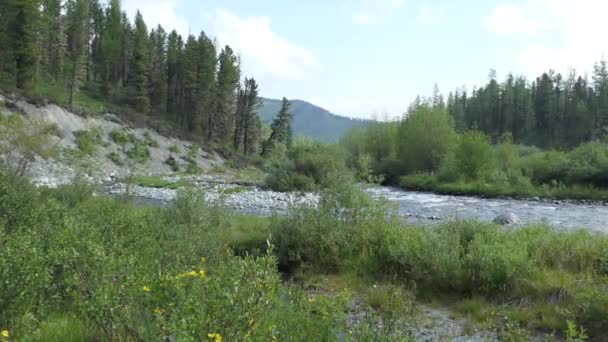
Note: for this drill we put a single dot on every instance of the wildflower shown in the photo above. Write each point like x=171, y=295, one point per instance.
x=159, y=311
x=5, y=334
x=146, y=289
x=311, y=300
x=202, y=274
x=191, y=274
x=215, y=337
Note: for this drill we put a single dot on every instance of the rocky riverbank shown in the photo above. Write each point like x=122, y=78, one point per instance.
x=246, y=198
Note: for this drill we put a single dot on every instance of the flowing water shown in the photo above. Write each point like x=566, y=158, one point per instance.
x=559, y=214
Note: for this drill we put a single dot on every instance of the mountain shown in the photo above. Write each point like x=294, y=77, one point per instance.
x=311, y=121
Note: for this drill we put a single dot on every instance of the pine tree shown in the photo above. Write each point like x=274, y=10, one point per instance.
x=600, y=80
x=77, y=29
x=111, y=48
x=281, y=129
x=140, y=66
x=207, y=64
x=221, y=124
x=158, y=71
x=252, y=123
x=53, y=40
x=174, y=67
x=23, y=17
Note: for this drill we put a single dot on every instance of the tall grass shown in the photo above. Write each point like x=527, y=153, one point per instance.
x=80, y=267
x=559, y=276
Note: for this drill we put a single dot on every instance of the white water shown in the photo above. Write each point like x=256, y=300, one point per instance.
x=560, y=215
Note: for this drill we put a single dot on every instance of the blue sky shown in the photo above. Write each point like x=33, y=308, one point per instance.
x=372, y=57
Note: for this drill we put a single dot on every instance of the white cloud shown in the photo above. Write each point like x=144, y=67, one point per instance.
x=368, y=12
x=577, y=30
x=510, y=18
x=263, y=51
x=155, y=12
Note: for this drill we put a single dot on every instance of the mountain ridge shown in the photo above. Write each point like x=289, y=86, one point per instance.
x=311, y=120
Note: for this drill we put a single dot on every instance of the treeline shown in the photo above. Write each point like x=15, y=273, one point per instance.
x=426, y=151
x=84, y=45
x=551, y=111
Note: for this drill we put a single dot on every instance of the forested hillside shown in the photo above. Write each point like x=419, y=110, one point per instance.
x=552, y=110
x=87, y=54
x=312, y=121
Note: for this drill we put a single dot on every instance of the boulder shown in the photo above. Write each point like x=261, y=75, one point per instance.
x=507, y=219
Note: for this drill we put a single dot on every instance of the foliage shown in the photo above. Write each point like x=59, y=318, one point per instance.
x=88, y=140
x=192, y=159
x=139, y=152
x=351, y=233
x=307, y=166
x=424, y=140
x=115, y=157
x=66, y=270
x=21, y=141
x=121, y=137
x=174, y=149
x=474, y=156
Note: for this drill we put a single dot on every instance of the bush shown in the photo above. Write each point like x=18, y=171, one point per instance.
x=115, y=157
x=474, y=156
x=150, y=141
x=120, y=137
x=425, y=138
x=306, y=167
x=139, y=152
x=102, y=269
x=192, y=159
x=88, y=140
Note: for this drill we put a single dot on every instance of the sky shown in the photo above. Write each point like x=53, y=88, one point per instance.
x=371, y=58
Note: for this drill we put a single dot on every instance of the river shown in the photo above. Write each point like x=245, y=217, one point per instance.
x=559, y=214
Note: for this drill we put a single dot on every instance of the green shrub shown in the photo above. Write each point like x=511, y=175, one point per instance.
x=307, y=166
x=123, y=273
x=150, y=141
x=139, y=152
x=192, y=159
x=175, y=149
x=89, y=140
x=474, y=156
x=425, y=138
x=115, y=157
x=121, y=137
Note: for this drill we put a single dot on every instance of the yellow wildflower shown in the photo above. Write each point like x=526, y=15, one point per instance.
x=202, y=274
x=159, y=311
x=215, y=337
x=5, y=334
x=191, y=274
x=146, y=289
x=311, y=300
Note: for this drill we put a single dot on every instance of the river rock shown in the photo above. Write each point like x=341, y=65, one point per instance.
x=507, y=219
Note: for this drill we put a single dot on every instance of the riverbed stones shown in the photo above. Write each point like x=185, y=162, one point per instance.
x=507, y=219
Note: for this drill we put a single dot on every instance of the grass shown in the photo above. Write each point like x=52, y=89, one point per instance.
x=160, y=183
x=536, y=277
x=489, y=189
x=58, y=94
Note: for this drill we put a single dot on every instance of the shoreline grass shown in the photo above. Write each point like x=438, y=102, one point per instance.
x=429, y=183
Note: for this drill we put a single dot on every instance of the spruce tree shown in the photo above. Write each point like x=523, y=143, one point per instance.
x=53, y=38
x=77, y=29
x=222, y=119
x=23, y=20
x=281, y=129
x=140, y=66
